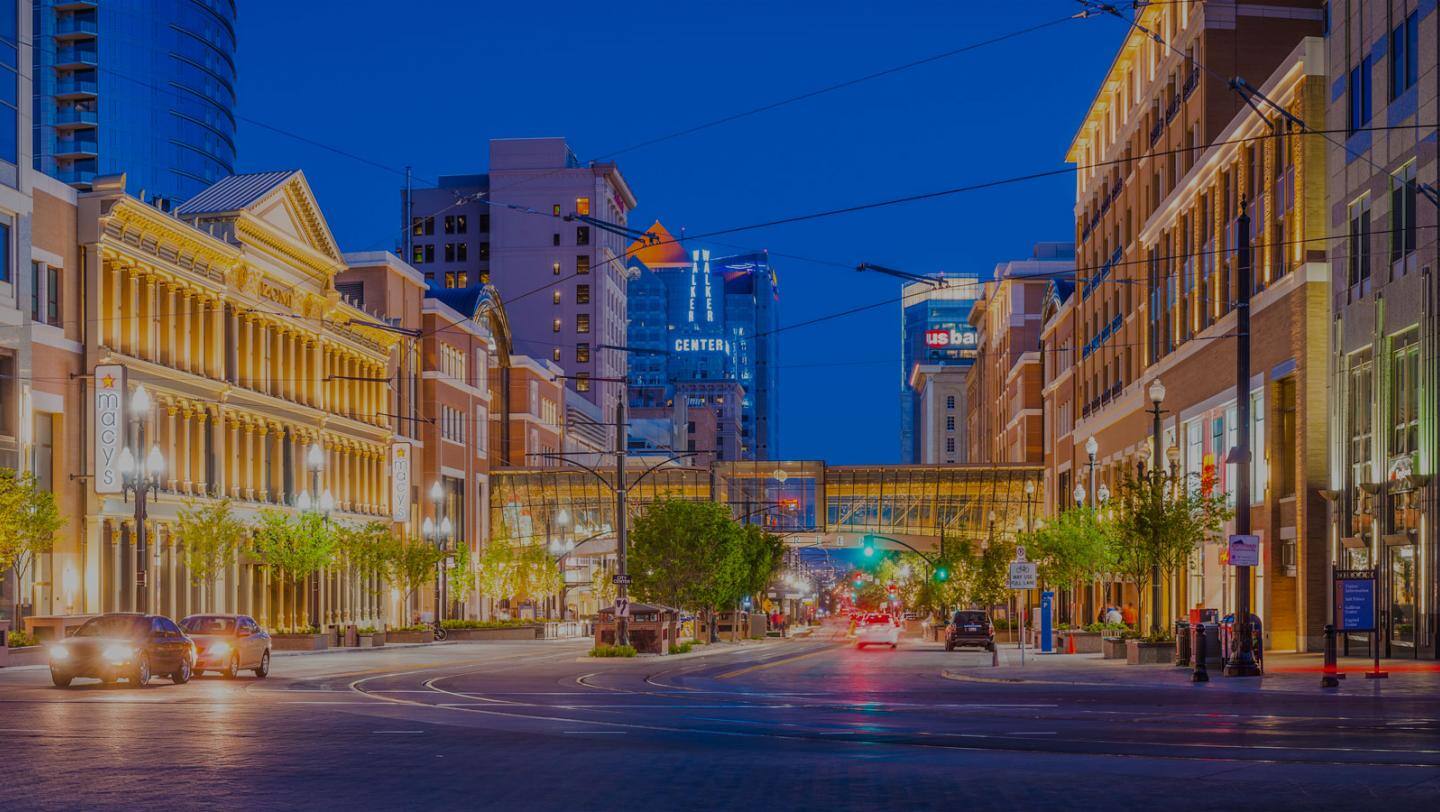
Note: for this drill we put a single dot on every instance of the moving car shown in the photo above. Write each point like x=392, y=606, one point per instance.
x=124, y=645
x=876, y=629
x=970, y=627
x=228, y=644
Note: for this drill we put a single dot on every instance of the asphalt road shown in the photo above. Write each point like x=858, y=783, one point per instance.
x=799, y=724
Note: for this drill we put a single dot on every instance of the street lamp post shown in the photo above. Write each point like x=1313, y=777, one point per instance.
x=1157, y=395
x=322, y=503
x=438, y=532
x=1029, y=506
x=1243, y=663
x=142, y=478
x=1091, y=449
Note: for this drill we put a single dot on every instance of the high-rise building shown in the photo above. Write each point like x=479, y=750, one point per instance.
x=1004, y=420
x=1381, y=61
x=1168, y=158
x=698, y=323
x=140, y=87
x=937, y=349
x=522, y=227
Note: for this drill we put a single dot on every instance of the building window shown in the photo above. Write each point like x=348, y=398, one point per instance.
x=582, y=353
x=454, y=224
x=949, y=422
x=421, y=254
x=950, y=445
x=1360, y=418
x=1404, y=55
x=450, y=251
x=1403, y=194
x=582, y=235
x=555, y=239
x=555, y=268
x=1358, y=242
x=452, y=424
x=555, y=296
x=352, y=292
x=582, y=294
x=484, y=224
x=582, y=264
x=37, y=275
x=582, y=322
x=582, y=382
x=1405, y=394
x=422, y=226
x=582, y=206
x=555, y=326
x=1359, y=88
x=950, y=401
x=555, y=355
x=482, y=431
x=555, y=209
x=483, y=251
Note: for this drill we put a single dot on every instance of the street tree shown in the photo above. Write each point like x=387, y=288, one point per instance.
x=517, y=572
x=409, y=564
x=761, y=555
x=211, y=535
x=295, y=548
x=989, y=583
x=29, y=520
x=687, y=554
x=461, y=577
x=1159, y=522
x=1074, y=548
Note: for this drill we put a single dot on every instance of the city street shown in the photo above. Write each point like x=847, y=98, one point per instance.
x=806, y=722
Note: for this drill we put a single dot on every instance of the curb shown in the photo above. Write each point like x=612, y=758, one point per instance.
x=703, y=651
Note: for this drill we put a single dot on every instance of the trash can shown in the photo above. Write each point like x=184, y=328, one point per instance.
x=1182, y=642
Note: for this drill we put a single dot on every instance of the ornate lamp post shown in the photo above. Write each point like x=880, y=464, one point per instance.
x=1091, y=449
x=438, y=533
x=142, y=478
x=1156, y=391
x=323, y=504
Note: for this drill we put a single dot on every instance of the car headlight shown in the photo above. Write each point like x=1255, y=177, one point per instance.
x=59, y=653
x=220, y=649
x=119, y=653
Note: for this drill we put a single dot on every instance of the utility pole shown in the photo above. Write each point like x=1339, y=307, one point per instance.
x=1242, y=662
x=622, y=586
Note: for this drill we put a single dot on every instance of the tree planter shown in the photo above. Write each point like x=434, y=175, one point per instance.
x=510, y=633
x=424, y=636
x=27, y=655
x=300, y=642
x=1140, y=652
x=1112, y=648
x=375, y=640
x=1085, y=642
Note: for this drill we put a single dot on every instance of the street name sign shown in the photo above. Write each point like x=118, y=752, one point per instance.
x=1022, y=575
x=620, y=579
x=1244, y=551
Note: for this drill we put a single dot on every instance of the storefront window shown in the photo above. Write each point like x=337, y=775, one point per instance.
x=1405, y=394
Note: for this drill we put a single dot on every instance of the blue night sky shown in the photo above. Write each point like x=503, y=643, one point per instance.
x=427, y=83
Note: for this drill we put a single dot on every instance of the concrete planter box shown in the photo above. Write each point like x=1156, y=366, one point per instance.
x=1139, y=652
x=1112, y=648
x=425, y=636
x=1085, y=642
x=300, y=642
x=26, y=655
x=535, y=632
x=372, y=640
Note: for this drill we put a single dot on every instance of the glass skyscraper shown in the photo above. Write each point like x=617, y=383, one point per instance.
x=698, y=320
x=144, y=87
x=935, y=331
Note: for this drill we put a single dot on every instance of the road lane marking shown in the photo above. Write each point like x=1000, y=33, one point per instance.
x=396, y=731
x=771, y=664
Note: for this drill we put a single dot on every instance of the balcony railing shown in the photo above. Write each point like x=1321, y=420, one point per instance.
x=75, y=176
x=76, y=56
x=76, y=87
x=76, y=118
x=72, y=26
x=76, y=147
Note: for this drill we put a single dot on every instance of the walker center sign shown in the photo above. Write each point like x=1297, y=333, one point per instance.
x=400, y=482
x=109, y=427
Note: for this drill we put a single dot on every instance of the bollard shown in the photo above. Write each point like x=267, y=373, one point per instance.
x=1197, y=638
x=1331, y=673
x=994, y=656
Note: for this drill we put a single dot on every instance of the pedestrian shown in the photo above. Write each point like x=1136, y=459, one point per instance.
x=1113, y=616
x=1128, y=614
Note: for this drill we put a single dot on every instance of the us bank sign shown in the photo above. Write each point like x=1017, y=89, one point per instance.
x=110, y=395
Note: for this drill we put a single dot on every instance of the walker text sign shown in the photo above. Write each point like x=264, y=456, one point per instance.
x=1244, y=551
x=109, y=427
x=1022, y=575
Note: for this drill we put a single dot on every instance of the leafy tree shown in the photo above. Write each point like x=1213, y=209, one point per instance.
x=294, y=547
x=365, y=546
x=761, y=555
x=212, y=535
x=601, y=584
x=461, y=575
x=410, y=564
x=1159, y=521
x=29, y=521
x=1075, y=548
x=990, y=582
x=687, y=554
x=518, y=572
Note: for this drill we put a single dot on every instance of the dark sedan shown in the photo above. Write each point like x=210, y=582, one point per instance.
x=127, y=646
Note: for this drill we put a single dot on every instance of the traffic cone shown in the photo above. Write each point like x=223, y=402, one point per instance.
x=1069, y=644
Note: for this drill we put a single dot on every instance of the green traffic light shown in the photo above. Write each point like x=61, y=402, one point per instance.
x=869, y=547
x=942, y=574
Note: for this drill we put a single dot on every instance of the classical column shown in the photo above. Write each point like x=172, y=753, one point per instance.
x=248, y=460
x=170, y=444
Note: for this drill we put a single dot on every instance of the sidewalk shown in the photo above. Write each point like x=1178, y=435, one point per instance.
x=1289, y=673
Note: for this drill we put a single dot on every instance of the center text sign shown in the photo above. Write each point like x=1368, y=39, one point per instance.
x=109, y=427
x=400, y=482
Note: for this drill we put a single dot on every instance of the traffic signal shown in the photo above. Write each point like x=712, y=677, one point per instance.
x=869, y=547
x=942, y=574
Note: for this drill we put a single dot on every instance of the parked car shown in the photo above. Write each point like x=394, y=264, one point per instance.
x=972, y=628
x=228, y=644
x=124, y=645
x=876, y=629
